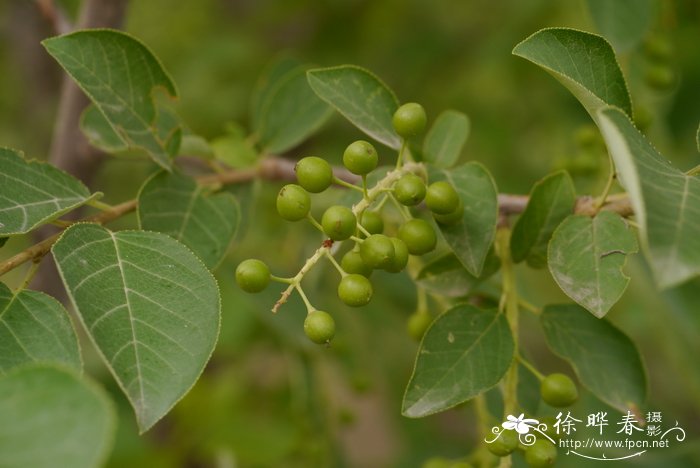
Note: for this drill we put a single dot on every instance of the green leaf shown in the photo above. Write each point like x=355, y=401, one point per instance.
x=623, y=22
x=174, y=204
x=150, y=307
x=266, y=84
x=583, y=62
x=99, y=131
x=465, y=352
x=605, y=359
x=34, y=193
x=551, y=200
x=290, y=112
x=104, y=137
x=586, y=256
x=697, y=138
x=34, y=327
x=360, y=97
x=118, y=73
x=445, y=139
x=446, y=275
x=234, y=150
x=666, y=201
x=471, y=238
x=52, y=417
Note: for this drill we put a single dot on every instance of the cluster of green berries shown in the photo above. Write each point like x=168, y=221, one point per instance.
x=658, y=51
x=372, y=249
x=556, y=390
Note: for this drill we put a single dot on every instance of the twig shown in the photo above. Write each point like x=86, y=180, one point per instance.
x=274, y=168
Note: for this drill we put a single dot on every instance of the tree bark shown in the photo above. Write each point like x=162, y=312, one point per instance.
x=70, y=149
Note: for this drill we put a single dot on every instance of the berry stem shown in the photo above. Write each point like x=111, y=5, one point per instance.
x=342, y=183
x=422, y=300
x=332, y=259
x=528, y=365
x=300, y=290
x=282, y=280
x=313, y=221
x=399, y=159
x=364, y=187
x=401, y=209
x=363, y=230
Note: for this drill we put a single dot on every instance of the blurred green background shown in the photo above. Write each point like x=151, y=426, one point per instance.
x=270, y=399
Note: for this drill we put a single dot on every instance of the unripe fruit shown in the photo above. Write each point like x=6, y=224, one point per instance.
x=360, y=157
x=587, y=136
x=660, y=77
x=409, y=120
x=409, y=190
x=252, y=275
x=372, y=222
x=293, y=202
x=339, y=222
x=541, y=454
x=505, y=444
x=400, y=256
x=319, y=327
x=558, y=390
x=377, y=251
x=418, y=324
x=442, y=198
x=418, y=235
x=355, y=290
x=352, y=263
x=452, y=218
x=314, y=174
x=658, y=47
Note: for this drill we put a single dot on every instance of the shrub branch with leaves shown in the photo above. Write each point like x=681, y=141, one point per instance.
x=150, y=306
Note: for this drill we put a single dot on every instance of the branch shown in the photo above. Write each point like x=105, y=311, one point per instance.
x=280, y=169
x=70, y=149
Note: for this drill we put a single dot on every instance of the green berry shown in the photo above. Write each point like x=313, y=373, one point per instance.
x=400, y=256
x=442, y=198
x=409, y=120
x=355, y=290
x=418, y=235
x=418, y=324
x=558, y=390
x=658, y=47
x=293, y=202
x=252, y=275
x=352, y=263
x=587, y=136
x=339, y=222
x=377, y=251
x=372, y=222
x=452, y=218
x=505, y=444
x=314, y=174
x=319, y=327
x=541, y=454
x=660, y=77
x=360, y=157
x=409, y=190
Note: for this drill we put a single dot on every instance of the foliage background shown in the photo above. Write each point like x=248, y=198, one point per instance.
x=268, y=398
